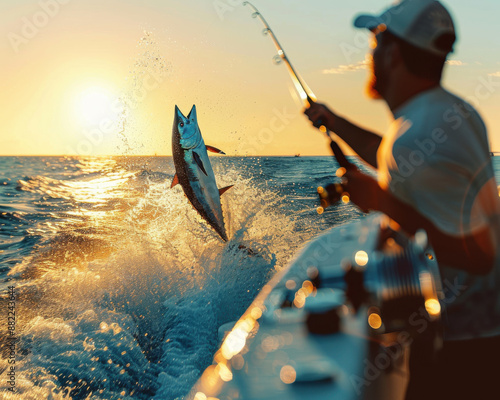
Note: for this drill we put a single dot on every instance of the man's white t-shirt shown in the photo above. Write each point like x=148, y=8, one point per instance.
x=436, y=158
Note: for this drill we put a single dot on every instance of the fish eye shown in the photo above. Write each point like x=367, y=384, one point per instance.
x=181, y=124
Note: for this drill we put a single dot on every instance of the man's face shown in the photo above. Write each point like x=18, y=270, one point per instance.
x=378, y=78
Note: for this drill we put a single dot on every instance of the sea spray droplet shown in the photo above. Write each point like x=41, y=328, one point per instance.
x=147, y=74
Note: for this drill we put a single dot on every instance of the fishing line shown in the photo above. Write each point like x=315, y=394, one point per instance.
x=304, y=91
x=332, y=193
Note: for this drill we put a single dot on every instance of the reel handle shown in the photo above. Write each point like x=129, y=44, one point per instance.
x=334, y=192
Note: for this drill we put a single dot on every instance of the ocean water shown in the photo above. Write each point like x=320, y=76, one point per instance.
x=120, y=287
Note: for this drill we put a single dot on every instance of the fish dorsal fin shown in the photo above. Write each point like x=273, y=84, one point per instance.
x=198, y=161
x=224, y=189
x=175, y=181
x=214, y=149
x=192, y=114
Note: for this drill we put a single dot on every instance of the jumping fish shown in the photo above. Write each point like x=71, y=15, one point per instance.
x=194, y=171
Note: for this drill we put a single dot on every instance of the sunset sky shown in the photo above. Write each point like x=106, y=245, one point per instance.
x=103, y=76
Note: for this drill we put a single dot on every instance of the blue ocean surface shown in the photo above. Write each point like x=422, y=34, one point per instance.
x=120, y=287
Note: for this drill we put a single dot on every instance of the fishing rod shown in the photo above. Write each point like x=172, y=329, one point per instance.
x=332, y=193
x=303, y=90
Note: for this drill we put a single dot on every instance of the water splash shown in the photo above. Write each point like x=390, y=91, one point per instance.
x=148, y=71
x=126, y=303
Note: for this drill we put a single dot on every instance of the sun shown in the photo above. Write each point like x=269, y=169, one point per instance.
x=95, y=106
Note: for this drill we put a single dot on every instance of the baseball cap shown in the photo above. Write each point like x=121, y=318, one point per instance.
x=425, y=24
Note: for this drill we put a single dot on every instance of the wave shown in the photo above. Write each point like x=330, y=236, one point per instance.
x=126, y=303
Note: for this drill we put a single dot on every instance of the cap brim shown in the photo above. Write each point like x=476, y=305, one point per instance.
x=367, y=22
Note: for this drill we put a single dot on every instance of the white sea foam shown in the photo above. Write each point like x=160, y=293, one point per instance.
x=127, y=304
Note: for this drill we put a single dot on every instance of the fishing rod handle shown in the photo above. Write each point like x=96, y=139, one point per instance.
x=340, y=156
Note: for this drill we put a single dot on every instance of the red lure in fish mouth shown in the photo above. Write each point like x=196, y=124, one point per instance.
x=194, y=171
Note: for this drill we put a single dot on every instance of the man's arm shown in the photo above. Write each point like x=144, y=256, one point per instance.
x=362, y=141
x=473, y=253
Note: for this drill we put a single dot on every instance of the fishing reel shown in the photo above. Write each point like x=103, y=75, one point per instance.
x=330, y=195
x=335, y=192
x=396, y=288
x=397, y=278
x=399, y=282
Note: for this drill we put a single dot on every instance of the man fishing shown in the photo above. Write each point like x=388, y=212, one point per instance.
x=434, y=173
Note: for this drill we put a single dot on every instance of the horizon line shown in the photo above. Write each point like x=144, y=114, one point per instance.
x=165, y=155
